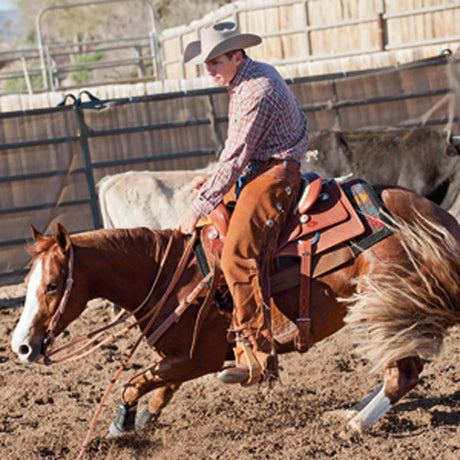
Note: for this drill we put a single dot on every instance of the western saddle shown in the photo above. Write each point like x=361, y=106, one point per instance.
x=316, y=233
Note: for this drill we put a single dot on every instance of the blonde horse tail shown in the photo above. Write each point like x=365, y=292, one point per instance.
x=405, y=311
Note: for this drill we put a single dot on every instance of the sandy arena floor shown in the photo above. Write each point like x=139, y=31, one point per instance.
x=46, y=411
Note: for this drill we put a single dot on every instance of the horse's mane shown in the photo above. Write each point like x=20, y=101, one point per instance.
x=141, y=238
x=406, y=311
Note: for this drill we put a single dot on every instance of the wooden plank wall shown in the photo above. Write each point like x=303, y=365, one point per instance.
x=335, y=27
x=52, y=158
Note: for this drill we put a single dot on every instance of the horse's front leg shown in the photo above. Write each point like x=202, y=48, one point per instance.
x=400, y=377
x=164, y=378
x=158, y=401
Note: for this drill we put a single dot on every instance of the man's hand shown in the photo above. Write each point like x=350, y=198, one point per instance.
x=187, y=222
x=198, y=181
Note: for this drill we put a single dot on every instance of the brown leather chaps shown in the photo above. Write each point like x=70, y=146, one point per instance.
x=257, y=220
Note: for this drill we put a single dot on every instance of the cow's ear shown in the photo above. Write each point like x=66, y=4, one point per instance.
x=62, y=237
x=36, y=235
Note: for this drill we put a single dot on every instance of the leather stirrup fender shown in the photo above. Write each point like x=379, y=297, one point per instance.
x=303, y=336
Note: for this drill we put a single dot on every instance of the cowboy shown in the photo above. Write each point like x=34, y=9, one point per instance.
x=259, y=170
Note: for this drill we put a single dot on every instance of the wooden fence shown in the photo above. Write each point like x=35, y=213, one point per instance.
x=52, y=159
x=300, y=37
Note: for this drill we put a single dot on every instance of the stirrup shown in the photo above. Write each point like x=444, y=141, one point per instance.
x=247, y=373
x=237, y=374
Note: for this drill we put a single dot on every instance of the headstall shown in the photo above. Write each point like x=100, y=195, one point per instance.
x=50, y=331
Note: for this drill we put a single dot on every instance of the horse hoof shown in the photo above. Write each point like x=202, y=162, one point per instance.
x=339, y=414
x=115, y=430
x=124, y=421
x=145, y=418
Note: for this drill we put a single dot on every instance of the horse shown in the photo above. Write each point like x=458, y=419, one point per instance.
x=400, y=295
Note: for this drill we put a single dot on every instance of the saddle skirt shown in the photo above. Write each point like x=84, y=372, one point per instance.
x=316, y=236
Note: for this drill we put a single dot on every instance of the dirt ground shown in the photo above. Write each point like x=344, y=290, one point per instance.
x=46, y=411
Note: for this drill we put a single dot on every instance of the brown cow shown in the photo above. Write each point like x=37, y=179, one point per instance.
x=423, y=160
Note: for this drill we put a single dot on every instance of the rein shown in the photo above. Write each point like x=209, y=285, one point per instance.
x=151, y=316
x=94, y=335
x=171, y=319
x=160, y=330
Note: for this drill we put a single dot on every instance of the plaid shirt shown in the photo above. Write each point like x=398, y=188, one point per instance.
x=265, y=121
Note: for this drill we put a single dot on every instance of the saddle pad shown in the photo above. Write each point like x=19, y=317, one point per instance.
x=369, y=208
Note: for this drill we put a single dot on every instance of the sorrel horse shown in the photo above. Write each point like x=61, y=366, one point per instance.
x=401, y=294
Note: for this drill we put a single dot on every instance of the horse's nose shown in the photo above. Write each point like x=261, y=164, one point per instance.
x=25, y=350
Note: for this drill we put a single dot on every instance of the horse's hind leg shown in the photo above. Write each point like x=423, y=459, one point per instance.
x=350, y=413
x=400, y=377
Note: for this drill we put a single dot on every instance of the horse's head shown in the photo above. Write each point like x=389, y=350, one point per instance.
x=48, y=288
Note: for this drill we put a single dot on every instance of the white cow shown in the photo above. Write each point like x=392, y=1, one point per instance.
x=153, y=199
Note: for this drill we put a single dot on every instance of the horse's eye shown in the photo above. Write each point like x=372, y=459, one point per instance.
x=52, y=287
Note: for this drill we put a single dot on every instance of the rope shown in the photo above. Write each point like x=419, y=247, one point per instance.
x=159, y=332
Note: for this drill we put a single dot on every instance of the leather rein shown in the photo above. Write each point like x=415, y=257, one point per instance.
x=151, y=315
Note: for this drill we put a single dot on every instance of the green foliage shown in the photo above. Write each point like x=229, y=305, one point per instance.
x=81, y=77
x=15, y=85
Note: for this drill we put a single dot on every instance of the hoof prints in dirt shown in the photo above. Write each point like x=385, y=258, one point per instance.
x=46, y=411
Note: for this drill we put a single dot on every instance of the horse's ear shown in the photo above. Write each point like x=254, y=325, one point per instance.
x=36, y=234
x=62, y=237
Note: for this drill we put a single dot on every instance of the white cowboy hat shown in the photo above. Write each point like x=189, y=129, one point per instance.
x=218, y=39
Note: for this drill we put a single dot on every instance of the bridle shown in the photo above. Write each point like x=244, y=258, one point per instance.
x=50, y=333
x=150, y=316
